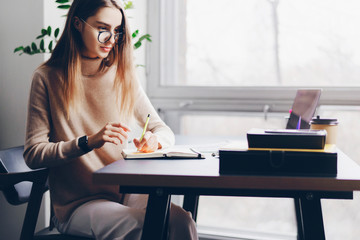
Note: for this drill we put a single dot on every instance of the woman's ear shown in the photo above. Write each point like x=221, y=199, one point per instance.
x=77, y=24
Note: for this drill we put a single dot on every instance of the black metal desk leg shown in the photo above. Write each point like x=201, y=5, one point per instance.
x=190, y=204
x=166, y=225
x=155, y=226
x=311, y=216
x=300, y=228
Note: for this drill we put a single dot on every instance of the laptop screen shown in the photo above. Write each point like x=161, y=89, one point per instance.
x=304, y=106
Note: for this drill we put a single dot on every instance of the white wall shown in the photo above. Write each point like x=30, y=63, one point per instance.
x=137, y=19
x=20, y=23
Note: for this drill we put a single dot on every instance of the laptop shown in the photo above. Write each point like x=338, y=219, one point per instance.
x=303, y=108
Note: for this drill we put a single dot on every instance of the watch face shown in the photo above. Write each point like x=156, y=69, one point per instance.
x=83, y=144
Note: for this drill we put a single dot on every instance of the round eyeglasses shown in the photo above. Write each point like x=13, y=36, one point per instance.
x=105, y=36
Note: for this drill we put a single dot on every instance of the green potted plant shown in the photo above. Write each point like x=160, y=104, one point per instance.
x=48, y=37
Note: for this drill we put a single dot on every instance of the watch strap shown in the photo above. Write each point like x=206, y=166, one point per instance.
x=83, y=144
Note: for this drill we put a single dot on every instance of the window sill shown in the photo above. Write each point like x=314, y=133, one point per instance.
x=211, y=233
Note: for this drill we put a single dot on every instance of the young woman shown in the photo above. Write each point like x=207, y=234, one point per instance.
x=82, y=101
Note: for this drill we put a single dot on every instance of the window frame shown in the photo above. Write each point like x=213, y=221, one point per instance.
x=199, y=98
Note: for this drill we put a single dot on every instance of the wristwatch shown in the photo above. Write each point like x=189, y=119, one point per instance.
x=83, y=144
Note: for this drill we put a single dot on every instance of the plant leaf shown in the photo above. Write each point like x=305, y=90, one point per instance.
x=62, y=1
x=42, y=45
x=43, y=33
x=49, y=31
x=137, y=44
x=146, y=36
x=142, y=38
x=27, y=50
x=128, y=5
x=50, y=46
x=64, y=6
x=135, y=33
x=18, y=49
x=40, y=36
x=56, y=33
x=33, y=46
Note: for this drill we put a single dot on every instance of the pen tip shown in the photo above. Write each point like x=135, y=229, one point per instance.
x=149, y=115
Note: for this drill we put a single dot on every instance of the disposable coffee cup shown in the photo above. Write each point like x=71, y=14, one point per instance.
x=330, y=125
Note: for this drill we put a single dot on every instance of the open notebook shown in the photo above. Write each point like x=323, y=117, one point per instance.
x=171, y=153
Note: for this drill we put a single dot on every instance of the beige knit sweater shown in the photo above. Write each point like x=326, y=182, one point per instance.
x=51, y=138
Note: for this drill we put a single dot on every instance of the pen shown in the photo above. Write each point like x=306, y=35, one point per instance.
x=299, y=123
x=146, y=123
x=197, y=152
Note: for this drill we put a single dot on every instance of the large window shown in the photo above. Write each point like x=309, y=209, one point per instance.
x=264, y=43
x=248, y=54
x=222, y=67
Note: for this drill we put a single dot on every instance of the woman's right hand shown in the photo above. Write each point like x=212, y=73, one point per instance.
x=115, y=133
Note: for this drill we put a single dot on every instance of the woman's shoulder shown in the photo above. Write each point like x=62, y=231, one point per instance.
x=45, y=69
x=46, y=72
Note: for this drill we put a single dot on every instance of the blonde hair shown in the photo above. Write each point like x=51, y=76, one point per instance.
x=67, y=56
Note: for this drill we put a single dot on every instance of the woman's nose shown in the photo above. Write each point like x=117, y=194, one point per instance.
x=112, y=39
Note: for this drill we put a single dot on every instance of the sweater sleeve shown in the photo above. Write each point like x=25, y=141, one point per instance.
x=143, y=107
x=38, y=150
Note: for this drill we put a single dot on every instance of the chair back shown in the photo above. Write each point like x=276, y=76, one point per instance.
x=21, y=184
x=12, y=161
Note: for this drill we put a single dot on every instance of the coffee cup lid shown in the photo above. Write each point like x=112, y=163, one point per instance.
x=327, y=121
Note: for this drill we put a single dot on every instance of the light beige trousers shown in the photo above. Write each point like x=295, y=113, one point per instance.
x=106, y=220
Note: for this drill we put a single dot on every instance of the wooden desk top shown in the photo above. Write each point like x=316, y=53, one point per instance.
x=205, y=174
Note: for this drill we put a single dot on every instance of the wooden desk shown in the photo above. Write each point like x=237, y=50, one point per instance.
x=163, y=178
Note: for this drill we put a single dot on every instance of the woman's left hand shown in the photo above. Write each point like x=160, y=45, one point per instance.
x=148, y=144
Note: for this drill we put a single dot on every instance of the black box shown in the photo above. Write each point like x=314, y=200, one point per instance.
x=275, y=162
x=286, y=138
